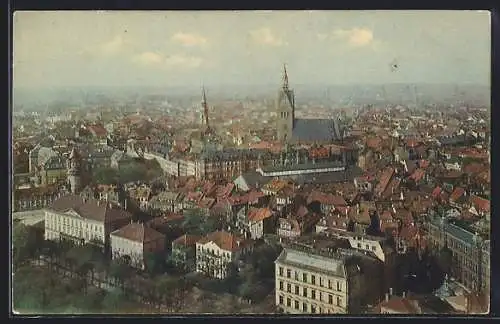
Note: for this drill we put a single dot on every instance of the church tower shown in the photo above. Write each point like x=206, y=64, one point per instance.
x=285, y=109
x=204, y=112
x=74, y=171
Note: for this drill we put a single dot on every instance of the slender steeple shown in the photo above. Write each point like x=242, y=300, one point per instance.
x=205, y=107
x=285, y=78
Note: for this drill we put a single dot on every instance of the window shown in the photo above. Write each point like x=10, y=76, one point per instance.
x=289, y=288
x=313, y=279
x=313, y=294
x=288, y=302
x=280, y=270
x=281, y=300
x=304, y=292
x=296, y=304
x=373, y=248
x=330, y=299
x=329, y=284
x=296, y=274
x=339, y=301
x=320, y=282
x=339, y=288
x=281, y=285
x=359, y=245
x=288, y=273
x=304, y=277
x=297, y=290
x=320, y=296
x=313, y=309
x=304, y=307
x=367, y=246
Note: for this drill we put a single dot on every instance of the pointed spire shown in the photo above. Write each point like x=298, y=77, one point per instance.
x=203, y=96
x=204, y=106
x=285, y=77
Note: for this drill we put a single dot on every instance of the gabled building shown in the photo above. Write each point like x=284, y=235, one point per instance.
x=218, y=253
x=134, y=241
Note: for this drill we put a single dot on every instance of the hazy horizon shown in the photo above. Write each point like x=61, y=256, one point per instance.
x=187, y=49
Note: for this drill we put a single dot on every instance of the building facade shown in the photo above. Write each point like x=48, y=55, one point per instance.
x=81, y=220
x=217, y=253
x=134, y=241
x=311, y=281
x=470, y=252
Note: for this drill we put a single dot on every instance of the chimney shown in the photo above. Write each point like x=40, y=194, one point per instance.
x=386, y=297
x=404, y=294
x=390, y=291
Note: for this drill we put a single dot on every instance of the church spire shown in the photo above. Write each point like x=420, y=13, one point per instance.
x=205, y=107
x=285, y=78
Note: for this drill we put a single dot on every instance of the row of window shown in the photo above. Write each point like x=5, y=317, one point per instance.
x=313, y=295
x=367, y=247
x=311, y=279
x=304, y=307
x=214, y=252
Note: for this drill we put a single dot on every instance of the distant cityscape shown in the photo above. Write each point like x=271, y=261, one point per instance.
x=253, y=206
x=327, y=189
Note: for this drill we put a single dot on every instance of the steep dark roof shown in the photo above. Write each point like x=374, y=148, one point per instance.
x=311, y=130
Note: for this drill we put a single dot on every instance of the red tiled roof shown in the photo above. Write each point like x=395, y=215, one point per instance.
x=225, y=241
x=456, y=194
x=436, y=192
x=138, y=233
x=374, y=142
x=481, y=204
x=417, y=175
x=401, y=305
x=258, y=214
x=187, y=240
x=97, y=130
x=326, y=199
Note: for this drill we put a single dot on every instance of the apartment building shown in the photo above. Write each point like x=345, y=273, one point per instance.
x=217, y=252
x=470, y=252
x=328, y=279
x=83, y=220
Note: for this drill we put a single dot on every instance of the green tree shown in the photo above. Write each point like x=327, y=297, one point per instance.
x=105, y=175
x=25, y=245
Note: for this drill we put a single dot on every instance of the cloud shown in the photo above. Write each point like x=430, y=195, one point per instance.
x=188, y=39
x=113, y=46
x=148, y=58
x=168, y=62
x=266, y=37
x=357, y=37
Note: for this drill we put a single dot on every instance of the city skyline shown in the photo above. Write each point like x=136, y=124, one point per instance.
x=54, y=49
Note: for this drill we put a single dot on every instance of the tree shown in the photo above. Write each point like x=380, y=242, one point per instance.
x=105, y=175
x=25, y=244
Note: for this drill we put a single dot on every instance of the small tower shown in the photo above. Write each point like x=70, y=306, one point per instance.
x=74, y=171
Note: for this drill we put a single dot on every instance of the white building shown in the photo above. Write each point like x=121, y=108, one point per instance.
x=216, y=252
x=310, y=280
x=134, y=241
x=83, y=220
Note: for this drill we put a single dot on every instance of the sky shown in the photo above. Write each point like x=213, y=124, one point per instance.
x=161, y=48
